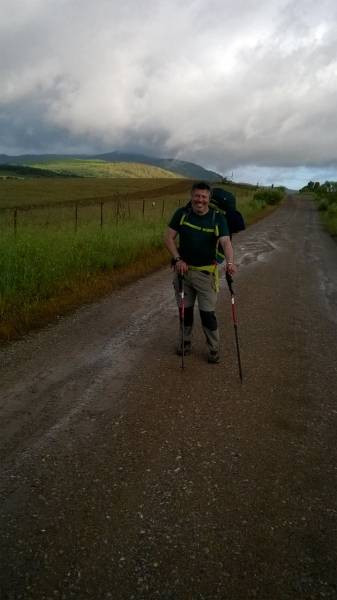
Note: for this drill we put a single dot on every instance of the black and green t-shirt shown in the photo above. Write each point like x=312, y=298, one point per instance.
x=198, y=235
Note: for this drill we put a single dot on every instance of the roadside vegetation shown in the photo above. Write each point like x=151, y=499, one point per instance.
x=261, y=203
x=66, y=242
x=326, y=200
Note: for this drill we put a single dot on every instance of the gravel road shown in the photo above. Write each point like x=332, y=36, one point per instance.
x=125, y=477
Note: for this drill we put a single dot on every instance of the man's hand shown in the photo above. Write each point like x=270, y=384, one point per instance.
x=181, y=267
x=226, y=244
x=231, y=268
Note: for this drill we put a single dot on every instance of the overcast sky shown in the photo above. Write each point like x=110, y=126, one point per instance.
x=242, y=87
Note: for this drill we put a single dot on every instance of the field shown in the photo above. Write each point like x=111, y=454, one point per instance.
x=32, y=192
x=64, y=242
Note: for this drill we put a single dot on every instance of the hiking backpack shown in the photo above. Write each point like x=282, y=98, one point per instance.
x=225, y=202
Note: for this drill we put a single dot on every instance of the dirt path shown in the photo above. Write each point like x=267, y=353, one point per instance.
x=124, y=477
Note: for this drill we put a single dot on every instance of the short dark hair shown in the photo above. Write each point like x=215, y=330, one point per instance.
x=201, y=185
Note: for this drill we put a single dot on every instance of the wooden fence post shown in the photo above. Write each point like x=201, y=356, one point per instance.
x=117, y=211
x=102, y=203
x=76, y=217
x=15, y=221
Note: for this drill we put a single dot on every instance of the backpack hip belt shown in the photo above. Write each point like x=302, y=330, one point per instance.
x=213, y=270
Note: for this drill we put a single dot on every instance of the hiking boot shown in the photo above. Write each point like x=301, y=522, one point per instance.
x=187, y=349
x=213, y=357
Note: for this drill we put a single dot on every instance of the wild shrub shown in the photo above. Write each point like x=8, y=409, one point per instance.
x=330, y=218
x=270, y=197
x=329, y=199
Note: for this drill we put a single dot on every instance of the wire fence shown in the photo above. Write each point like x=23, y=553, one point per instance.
x=76, y=214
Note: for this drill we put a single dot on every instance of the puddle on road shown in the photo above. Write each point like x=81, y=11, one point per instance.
x=254, y=250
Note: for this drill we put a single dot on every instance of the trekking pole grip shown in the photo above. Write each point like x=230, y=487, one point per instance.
x=229, y=280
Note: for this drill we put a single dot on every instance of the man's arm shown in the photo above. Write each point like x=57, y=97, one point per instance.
x=170, y=243
x=229, y=254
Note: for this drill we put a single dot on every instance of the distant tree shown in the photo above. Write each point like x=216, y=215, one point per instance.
x=329, y=186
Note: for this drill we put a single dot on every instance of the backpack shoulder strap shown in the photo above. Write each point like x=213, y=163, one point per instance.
x=215, y=225
x=185, y=214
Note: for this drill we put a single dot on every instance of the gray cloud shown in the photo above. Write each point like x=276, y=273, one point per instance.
x=234, y=86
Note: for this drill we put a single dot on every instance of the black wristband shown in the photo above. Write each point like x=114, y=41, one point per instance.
x=176, y=259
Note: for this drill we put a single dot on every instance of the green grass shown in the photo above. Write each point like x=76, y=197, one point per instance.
x=326, y=203
x=329, y=218
x=37, y=265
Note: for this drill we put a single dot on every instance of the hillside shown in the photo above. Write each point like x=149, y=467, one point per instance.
x=182, y=168
x=185, y=168
x=101, y=168
x=22, y=172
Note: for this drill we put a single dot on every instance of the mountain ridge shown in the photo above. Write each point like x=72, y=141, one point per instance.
x=181, y=167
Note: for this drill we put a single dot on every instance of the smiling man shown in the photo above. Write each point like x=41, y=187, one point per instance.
x=200, y=229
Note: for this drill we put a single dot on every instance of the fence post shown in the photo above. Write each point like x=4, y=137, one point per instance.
x=143, y=211
x=117, y=211
x=15, y=221
x=76, y=217
x=102, y=203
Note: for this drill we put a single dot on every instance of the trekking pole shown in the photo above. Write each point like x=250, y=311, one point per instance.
x=235, y=321
x=182, y=317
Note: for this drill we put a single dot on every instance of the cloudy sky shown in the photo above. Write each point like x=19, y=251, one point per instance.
x=239, y=86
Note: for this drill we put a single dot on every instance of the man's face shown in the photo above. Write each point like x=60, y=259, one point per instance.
x=200, y=201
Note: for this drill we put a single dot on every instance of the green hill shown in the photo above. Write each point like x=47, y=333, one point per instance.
x=101, y=168
x=182, y=168
x=22, y=172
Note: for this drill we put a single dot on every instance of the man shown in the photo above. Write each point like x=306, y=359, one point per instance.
x=200, y=229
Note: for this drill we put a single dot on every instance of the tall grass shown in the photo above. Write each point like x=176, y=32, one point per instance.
x=38, y=264
x=327, y=205
x=325, y=196
x=329, y=218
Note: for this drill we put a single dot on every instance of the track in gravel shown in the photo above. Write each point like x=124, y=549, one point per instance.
x=123, y=476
